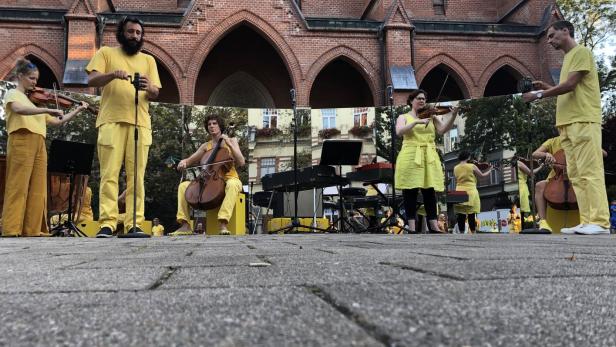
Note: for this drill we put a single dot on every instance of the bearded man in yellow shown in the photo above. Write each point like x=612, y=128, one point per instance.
x=578, y=119
x=111, y=68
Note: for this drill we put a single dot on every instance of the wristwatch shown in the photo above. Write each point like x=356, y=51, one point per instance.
x=539, y=94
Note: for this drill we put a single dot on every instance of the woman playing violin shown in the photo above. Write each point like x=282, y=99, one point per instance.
x=215, y=127
x=466, y=174
x=25, y=196
x=418, y=165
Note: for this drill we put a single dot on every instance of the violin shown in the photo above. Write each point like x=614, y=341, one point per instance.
x=41, y=97
x=480, y=165
x=527, y=162
x=207, y=191
x=429, y=111
x=559, y=191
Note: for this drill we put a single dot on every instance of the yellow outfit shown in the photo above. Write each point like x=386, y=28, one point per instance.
x=552, y=146
x=25, y=196
x=116, y=124
x=578, y=117
x=158, y=230
x=183, y=212
x=467, y=182
x=524, y=193
x=233, y=187
x=85, y=213
x=418, y=164
x=86, y=207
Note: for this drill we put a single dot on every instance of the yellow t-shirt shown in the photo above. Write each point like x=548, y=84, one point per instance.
x=158, y=230
x=118, y=98
x=552, y=145
x=583, y=104
x=231, y=173
x=36, y=124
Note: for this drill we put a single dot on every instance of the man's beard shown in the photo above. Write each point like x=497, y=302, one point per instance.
x=130, y=47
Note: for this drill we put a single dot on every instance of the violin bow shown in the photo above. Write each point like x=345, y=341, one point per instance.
x=440, y=92
x=55, y=95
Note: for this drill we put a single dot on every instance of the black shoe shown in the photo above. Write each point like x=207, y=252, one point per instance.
x=135, y=230
x=104, y=232
x=134, y=233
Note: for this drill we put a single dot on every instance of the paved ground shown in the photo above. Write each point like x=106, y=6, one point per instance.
x=313, y=290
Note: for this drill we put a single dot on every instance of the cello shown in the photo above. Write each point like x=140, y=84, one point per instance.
x=207, y=191
x=559, y=191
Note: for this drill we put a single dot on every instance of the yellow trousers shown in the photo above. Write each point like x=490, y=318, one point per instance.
x=183, y=212
x=582, y=144
x=233, y=187
x=116, y=146
x=25, y=196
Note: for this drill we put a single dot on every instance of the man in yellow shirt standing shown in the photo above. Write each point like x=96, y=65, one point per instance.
x=112, y=68
x=578, y=118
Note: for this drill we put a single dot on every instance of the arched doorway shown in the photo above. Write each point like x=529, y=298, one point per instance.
x=442, y=79
x=244, y=70
x=169, y=92
x=340, y=84
x=503, y=82
x=46, y=76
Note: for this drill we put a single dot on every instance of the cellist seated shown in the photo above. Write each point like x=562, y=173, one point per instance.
x=546, y=152
x=215, y=126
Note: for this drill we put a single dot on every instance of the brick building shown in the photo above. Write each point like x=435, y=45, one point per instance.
x=334, y=53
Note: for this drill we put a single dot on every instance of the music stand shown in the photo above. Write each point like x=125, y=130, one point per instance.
x=341, y=152
x=71, y=158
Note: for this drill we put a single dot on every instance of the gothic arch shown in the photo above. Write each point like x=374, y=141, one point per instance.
x=9, y=60
x=505, y=60
x=365, y=68
x=260, y=26
x=170, y=64
x=460, y=74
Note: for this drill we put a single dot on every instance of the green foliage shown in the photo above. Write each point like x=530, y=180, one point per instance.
x=304, y=159
x=383, y=126
x=506, y=123
x=328, y=133
x=594, y=20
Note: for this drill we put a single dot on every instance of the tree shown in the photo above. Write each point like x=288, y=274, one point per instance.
x=594, y=20
x=503, y=123
x=382, y=125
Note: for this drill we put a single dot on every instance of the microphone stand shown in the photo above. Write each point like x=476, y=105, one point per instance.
x=133, y=233
x=295, y=223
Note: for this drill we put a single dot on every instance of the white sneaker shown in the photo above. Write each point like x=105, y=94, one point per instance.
x=571, y=230
x=591, y=229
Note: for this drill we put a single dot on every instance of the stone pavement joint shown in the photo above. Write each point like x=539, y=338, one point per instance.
x=357, y=318
x=423, y=271
x=163, y=278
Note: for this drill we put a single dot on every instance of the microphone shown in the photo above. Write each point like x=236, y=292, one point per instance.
x=136, y=81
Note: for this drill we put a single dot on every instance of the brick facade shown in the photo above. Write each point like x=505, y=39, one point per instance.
x=182, y=42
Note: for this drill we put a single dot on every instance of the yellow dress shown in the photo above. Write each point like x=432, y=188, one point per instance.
x=467, y=182
x=418, y=164
x=524, y=193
